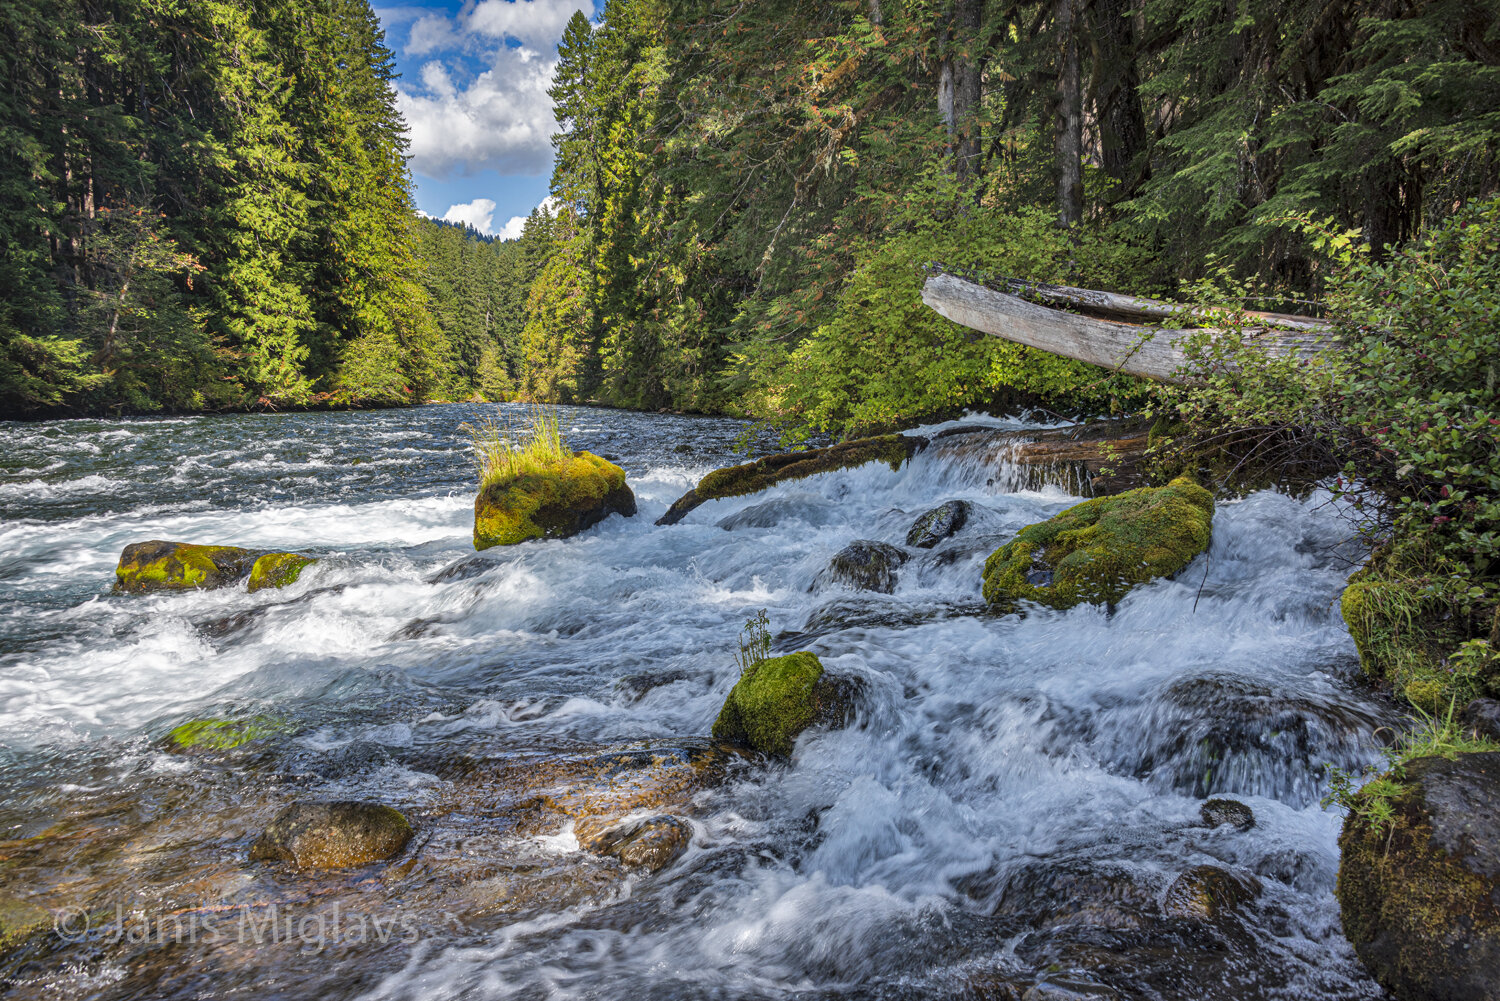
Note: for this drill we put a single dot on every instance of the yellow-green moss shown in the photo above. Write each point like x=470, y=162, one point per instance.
x=1409, y=621
x=277, y=570
x=1418, y=917
x=221, y=734
x=20, y=919
x=753, y=477
x=562, y=499
x=771, y=703
x=178, y=566
x=1098, y=550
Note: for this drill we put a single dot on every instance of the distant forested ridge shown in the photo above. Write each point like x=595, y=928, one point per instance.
x=747, y=191
x=205, y=205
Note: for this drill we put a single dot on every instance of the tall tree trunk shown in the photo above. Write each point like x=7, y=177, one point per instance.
x=959, y=85
x=876, y=17
x=1067, y=137
x=1114, y=84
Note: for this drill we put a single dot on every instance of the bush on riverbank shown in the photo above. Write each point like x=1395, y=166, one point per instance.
x=1408, y=410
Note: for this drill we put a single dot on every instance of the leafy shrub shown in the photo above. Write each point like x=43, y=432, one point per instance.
x=884, y=360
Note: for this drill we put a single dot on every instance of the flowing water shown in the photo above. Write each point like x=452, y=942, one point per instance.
x=1010, y=807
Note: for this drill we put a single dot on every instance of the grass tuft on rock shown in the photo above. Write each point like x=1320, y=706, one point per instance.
x=1098, y=550
x=532, y=486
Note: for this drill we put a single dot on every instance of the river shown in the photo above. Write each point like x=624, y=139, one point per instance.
x=1008, y=811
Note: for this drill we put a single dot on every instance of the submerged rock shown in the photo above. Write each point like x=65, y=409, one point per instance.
x=1217, y=812
x=464, y=569
x=752, y=477
x=183, y=566
x=19, y=919
x=563, y=499
x=1419, y=882
x=634, y=687
x=333, y=835
x=1098, y=550
x=865, y=566
x=220, y=734
x=278, y=570
x=778, y=698
x=938, y=524
x=1206, y=892
x=651, y=844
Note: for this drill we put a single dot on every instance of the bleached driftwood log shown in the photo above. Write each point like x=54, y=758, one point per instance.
x=1103, y=328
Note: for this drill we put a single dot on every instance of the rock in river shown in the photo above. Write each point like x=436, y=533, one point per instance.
x=1419, y=884
x=563, y=498
x=651, y=844
x=1098, y=550
x=938, y=524
x=333, y=835
x=778, y=698
x=1216, y=812
x=184, y=566
x=866, y=566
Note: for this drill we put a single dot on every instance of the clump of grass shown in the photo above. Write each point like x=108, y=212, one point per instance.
x=755, y=642
x=504, y=451
x=1435, y=735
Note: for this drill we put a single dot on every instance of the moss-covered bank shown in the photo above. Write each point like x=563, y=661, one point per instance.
x=560, y=499
x=1098, y=550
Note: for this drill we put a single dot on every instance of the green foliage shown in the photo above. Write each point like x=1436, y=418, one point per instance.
x=885, y=360
x=755, y=642
x=1435, y=733
x=205, y=206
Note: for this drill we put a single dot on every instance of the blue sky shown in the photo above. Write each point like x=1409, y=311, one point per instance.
x=473, y=91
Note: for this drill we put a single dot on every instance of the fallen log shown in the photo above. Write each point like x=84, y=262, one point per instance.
x=1106, y=329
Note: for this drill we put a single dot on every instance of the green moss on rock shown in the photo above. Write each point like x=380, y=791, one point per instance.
x=220, y=734
x=777, y=699
x=1419, y=883
x=752, y=477
x=1098, y=550
x=278, y=570
x=562, y=500
x=180, y=566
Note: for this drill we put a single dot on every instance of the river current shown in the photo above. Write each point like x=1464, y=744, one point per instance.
x=1008, y=812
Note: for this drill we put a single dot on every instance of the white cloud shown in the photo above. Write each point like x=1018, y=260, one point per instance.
x=512, y=229
x=479, y=213
x=502, y=118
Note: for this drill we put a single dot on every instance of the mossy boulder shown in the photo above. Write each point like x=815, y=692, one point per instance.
x=563, y=499
x=1419, y=886
x=220, y=734
x=185, y=566
x=333, y=835
x=181, y=566
x=278, y=570
x=1098, y=550
x=778, y=698
x=753, y=477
